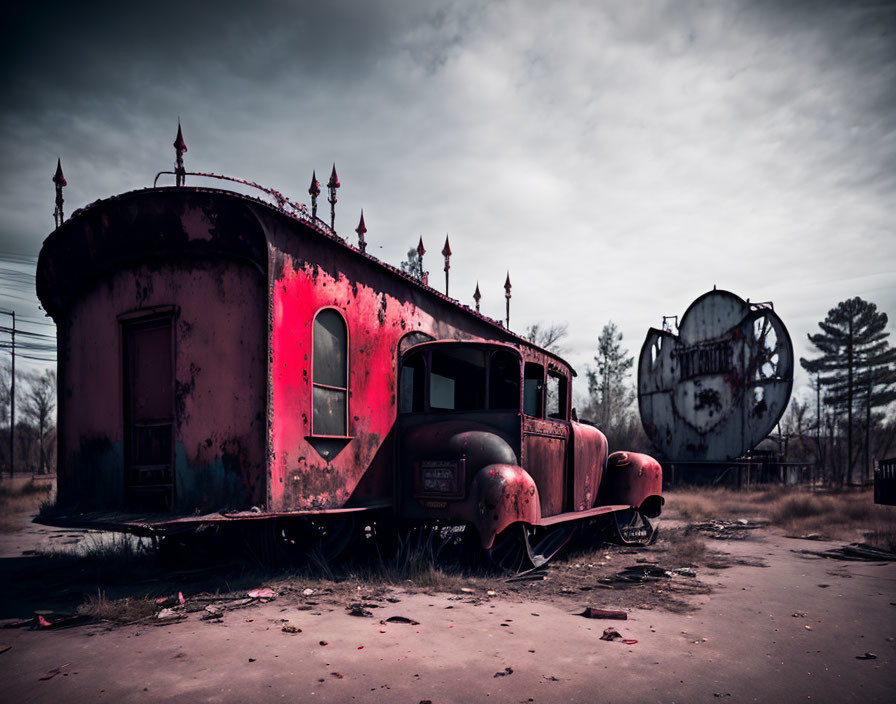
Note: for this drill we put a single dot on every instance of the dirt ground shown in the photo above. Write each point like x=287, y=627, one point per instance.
x=757, y=620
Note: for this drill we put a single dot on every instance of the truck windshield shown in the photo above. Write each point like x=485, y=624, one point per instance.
x=460, y=379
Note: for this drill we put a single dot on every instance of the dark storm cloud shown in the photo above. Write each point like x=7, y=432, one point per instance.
x=748, y=144
x=57, y=49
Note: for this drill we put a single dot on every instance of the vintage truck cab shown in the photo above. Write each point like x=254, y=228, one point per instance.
x=485, y=439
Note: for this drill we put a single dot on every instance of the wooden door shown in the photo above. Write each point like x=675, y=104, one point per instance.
x=149, y=414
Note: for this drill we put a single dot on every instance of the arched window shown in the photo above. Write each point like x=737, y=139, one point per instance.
x=330, y=375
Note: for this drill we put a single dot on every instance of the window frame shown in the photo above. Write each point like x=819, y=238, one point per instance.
x=562, y=394
x=315, y=384
x=540, y=409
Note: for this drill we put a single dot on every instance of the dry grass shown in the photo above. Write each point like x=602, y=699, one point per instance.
x=707, y=504
x=19, y=497
x=120, y=611
x=847, y=515
x=683, y=548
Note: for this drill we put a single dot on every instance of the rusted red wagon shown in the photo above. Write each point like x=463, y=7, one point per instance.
x=224, y=359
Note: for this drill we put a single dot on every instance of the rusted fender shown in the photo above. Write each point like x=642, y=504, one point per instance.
x=503, y=494
x=634, y=479
x=589, y=446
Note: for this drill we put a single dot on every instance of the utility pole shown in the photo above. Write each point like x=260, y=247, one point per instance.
x=12, y=393
x=818, y=425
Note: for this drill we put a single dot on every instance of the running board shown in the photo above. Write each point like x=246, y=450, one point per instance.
x=576, y=515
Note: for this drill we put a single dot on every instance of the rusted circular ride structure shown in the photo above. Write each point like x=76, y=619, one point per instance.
x=714, y=390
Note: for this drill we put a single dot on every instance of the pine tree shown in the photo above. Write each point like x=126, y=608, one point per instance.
x=607, y=385
x=856, y=365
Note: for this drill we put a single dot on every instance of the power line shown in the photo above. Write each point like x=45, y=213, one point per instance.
x=19, y=331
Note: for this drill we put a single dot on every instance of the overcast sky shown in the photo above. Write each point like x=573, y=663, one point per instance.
x=618, y=158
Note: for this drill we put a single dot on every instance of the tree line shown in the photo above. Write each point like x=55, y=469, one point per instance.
x=34, y=434
x=850, y=425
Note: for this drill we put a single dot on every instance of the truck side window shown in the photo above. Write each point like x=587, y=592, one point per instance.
x=555, y=396
x=533, y=388
x=504, y=382
x=412, y=382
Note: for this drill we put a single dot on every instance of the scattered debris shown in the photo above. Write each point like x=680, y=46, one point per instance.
x=52, y=673
x=289, y=628
x=866, y=656
x=49, y=619
x=166, y=614
x=612, y=634
x=507, y=671
x=357, y=610
x=530, y=576
x=721, y=694
x=591, y=612
x=264, y=593
x=853, y=552
x=649, y=572
x=727, y=530
x=401, y=619
x=337, y=675
x=551, y=678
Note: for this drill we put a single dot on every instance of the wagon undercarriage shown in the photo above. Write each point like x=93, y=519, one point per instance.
x=325, y=538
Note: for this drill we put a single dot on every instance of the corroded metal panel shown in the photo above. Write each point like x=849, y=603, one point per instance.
x=199, y=260
x=631, y=478
x=544, y=458
x=589, y=456
x=716, y=389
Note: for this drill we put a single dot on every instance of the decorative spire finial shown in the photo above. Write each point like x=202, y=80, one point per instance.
x=60, y=182
x=477, y=296
x=507, y=296
x=180, y=147
x=332, y=185
x=446, y=252
x=314, y=192
x=421, y=250
x=361, y=230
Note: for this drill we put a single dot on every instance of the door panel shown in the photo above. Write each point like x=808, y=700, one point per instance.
x=149, y=414
x=544, y=458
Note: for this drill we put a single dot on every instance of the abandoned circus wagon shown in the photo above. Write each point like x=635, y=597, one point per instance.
x=222, y=358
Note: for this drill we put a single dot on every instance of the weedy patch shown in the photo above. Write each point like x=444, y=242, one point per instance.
x=119, y=611
x=22, y=496
x=830, y=515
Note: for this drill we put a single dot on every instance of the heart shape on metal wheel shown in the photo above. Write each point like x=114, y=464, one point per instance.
x=719, y=386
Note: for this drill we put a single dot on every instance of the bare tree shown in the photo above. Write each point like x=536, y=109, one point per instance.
x=548, y=336
x=38, y=407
